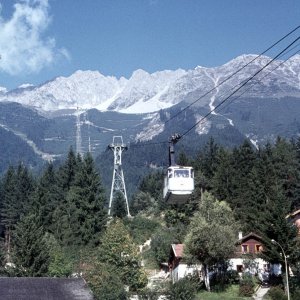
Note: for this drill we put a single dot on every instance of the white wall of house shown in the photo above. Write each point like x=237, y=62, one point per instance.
x=259, y=263
x=183, y=270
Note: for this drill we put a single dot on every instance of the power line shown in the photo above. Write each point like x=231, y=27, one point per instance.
x=282, y=62
x=283, y=52
x=260, y=80
x=236, y=90
x=239, y=85
x=233, y=74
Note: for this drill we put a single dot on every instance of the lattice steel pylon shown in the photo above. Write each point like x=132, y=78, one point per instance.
x=118, y=182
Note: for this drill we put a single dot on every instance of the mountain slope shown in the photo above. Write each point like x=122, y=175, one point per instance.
x=144, y=92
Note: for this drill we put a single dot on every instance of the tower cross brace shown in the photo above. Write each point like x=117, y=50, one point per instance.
x=118, y=182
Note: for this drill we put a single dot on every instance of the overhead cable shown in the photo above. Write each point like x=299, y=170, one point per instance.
x=233, y=74
x=239, y=88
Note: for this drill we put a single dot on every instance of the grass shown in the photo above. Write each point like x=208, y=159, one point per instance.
x=231, y=293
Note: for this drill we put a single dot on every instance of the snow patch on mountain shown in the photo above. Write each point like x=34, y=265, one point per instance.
x=45, y=156
x=204, y=125
x=25, y=86
x=3, y=90
x=154, y=128
x=144, y=92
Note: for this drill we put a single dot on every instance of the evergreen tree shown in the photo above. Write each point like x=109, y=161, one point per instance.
x=153, y=185
x=119, y=209
x=86, y=216
x=67, y=171
x=16, y=192
x=183, y=159
x=47, y=200
x=243, y=162
x=31, y=254
x=142, y=202
x=222, y=179
x=25, y=185
x=278, y=227
x=206, y=161
x=9, y=214
x=286, y=164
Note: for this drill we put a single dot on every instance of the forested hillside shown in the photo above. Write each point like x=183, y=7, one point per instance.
x=56, y=224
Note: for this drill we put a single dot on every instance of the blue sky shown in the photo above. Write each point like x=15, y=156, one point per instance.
x=42, y=39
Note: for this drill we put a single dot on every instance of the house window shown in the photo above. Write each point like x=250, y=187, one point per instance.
x=258, y=248
x=239, y=268
x=245, y=248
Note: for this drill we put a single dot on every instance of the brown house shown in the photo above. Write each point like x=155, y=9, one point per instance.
x=249, y=244
x=295, y=217
x=248, y=247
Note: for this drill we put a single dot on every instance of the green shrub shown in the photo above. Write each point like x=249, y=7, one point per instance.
x=275, y=280
x=296, y=294
x=277, y=293
x=141, y=228
x=148, y=294
x=59, y=265
x=247, y=285
x=184, y=289
x=105, y=284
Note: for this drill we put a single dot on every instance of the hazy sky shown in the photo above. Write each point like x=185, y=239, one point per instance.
x=42, y=39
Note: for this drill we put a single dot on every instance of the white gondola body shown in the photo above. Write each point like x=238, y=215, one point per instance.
x=178, y=184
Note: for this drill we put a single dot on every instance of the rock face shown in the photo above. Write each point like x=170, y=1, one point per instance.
x=144, y=92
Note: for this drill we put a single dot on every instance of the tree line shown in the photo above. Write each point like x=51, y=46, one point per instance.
x=56, y=223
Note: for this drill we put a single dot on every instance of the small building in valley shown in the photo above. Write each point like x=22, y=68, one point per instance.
x=246, y=257
x=295, y=218
x=177, y=265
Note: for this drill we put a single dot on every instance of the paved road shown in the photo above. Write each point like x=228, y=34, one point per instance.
x=260, y=293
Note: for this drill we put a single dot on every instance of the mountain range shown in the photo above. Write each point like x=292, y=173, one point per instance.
x=86, y=109
x=144, y=92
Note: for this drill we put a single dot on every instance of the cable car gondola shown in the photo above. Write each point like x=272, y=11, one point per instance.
x=179, y=180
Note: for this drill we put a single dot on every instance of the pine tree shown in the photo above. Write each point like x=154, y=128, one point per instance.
x=25, y=186
x=9, y=214
x=16, y=192
x=30, y=251
x=206, y=161
x=85, y=204
x=286, y=164
x=278, y=227
x=222, y=179
x=67, y=171
x=47, y=200
x=119, y=209
x=243, y=161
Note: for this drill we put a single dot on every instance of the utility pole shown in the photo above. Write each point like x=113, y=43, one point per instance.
x=118, y=182
x=286, y=269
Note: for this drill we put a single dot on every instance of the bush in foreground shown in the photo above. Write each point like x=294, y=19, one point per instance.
x=246, y=286
x=184, y=289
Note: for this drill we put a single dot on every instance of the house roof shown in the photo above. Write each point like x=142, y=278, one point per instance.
x=24, y=288
x=178, y=250
x=293, y=214
x=249, y=235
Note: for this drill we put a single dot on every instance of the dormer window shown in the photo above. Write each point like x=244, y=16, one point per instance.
x=258, y=248
x=245, y=248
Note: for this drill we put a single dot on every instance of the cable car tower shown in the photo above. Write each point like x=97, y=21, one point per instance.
x=118, y=182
